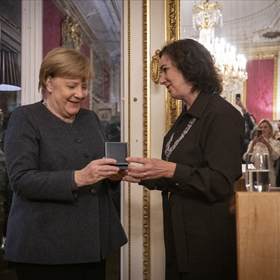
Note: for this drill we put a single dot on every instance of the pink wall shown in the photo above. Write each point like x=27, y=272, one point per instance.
x=259, y=88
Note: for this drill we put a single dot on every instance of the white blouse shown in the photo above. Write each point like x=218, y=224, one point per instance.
x=261, y=148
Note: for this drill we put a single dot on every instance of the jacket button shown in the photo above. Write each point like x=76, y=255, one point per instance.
x=93, y=191
x=86, y=155
x=78, y=140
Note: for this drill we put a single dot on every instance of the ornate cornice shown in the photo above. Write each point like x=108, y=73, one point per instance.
x=68, y=8
x=263, y=52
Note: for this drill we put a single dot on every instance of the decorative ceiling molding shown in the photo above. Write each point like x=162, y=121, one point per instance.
x=261, y=52
x=69, y=8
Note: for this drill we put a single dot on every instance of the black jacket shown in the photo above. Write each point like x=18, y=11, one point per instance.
x=200, y=233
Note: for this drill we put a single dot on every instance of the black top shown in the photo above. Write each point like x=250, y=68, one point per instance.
x=199, y=228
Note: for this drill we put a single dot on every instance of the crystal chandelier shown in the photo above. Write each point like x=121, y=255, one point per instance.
x=233, y=66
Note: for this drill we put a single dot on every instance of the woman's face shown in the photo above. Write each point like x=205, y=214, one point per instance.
x=266, y=131
x=173, y=79
x=66, y=95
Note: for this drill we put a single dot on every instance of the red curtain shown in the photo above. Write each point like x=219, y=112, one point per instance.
x=259, y=88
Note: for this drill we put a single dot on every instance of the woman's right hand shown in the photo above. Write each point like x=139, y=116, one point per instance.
x=95, y=171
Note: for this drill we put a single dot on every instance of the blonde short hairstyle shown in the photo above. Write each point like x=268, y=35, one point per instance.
x=64, y=63
x=269, y=124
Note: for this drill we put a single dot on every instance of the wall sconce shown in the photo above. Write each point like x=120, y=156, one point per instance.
x=9, y=71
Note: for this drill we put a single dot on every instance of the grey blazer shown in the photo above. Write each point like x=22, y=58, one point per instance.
x=52, y=221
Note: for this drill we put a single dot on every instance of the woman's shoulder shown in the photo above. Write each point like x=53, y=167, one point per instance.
x=28, y=109
x=274, y=141
x=88, y=116
x=218, y=100
x=224, y=107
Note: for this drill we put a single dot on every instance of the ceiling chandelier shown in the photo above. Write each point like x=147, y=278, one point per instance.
x=233, y=66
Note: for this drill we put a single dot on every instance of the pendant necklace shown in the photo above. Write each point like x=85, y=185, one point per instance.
x=168, y=149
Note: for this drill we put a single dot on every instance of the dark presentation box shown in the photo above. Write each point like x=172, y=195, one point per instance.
x=117, y=151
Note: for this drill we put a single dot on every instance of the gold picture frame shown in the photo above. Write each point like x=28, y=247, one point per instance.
x=173, y=107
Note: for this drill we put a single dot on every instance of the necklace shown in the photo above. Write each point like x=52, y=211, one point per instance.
x=67, y=120
x=168, y=149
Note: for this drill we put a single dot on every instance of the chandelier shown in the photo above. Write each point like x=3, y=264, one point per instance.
x=233, y=66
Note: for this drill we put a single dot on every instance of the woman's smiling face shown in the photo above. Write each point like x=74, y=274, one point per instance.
x=66, y=95
x=266, y=130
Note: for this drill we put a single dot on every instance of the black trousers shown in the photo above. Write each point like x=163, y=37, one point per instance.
x=87, y=271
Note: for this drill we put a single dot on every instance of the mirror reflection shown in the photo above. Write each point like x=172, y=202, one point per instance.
x=234, y=31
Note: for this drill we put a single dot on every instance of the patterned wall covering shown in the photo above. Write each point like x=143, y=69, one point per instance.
x=259, y=88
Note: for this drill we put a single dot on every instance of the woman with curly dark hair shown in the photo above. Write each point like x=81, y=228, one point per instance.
x=201, y=160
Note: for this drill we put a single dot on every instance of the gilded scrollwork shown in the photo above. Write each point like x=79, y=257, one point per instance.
x=71, y=35
x=172, y=18
x=155, y=70
x=173, y=13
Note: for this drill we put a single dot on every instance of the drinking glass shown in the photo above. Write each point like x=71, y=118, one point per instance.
x=257, y=172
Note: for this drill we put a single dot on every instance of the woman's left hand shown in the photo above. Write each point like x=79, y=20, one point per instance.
x=150, y=168
x=118, y=176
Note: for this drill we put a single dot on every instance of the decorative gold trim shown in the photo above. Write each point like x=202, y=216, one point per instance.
x=172, y=32
x=154, y=66
x=260, y=52
x=172, y=11
x=146, y=140
x=129, y=134
x=71, y=36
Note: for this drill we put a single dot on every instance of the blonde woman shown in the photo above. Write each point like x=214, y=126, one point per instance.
x=62, y=224
x=265, y=143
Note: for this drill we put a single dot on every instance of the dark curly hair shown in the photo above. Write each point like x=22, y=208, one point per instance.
x=196, y=64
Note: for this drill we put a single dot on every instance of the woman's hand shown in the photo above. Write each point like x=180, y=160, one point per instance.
x=149, y=168
x=95, y=171
x=261, y=139
x=118, y=176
